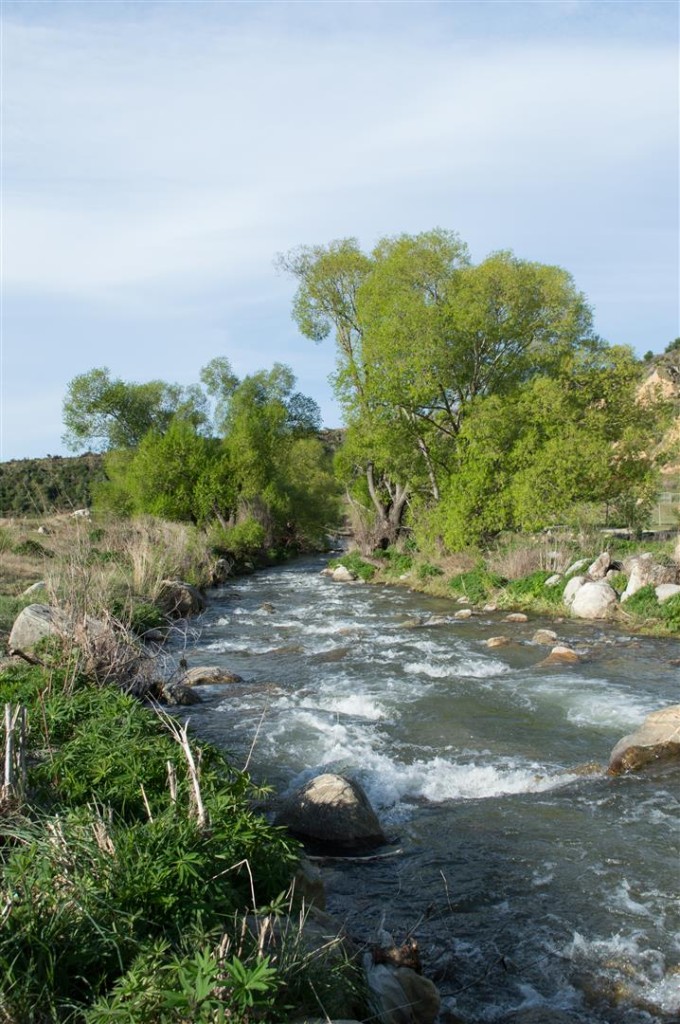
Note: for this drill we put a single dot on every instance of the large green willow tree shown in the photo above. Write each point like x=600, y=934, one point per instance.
x=423, y=336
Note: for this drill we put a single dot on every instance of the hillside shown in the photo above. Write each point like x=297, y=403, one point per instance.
x=53, y=484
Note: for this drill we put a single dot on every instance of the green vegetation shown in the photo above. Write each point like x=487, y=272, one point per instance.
x=478, y=397
x=244, y=456
x=130, y=898
x=355, y=563
x=30, y=487
x=477, y=585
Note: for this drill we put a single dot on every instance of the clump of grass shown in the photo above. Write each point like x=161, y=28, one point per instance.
x=670, y=613
x=427, y=571
x=476, y=584
x=644, y=603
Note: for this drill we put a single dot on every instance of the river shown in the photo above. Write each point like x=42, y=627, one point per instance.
x=524, y=882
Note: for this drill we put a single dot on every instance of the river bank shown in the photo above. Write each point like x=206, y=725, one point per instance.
x=637, y=582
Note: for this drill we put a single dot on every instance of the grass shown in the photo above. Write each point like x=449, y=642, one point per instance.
x=119, y=900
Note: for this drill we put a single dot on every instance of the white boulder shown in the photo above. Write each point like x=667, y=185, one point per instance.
x=594, y=600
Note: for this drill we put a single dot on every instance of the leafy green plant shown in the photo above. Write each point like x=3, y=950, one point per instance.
x=670, y=613
x=476, y=584
x=427, y=571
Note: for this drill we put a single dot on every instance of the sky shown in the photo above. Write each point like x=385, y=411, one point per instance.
x=157, y=156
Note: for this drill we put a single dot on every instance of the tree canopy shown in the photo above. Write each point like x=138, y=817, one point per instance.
x=469, y=384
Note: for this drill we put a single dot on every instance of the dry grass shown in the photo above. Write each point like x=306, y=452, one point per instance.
x=520, y=556
x=94, y=565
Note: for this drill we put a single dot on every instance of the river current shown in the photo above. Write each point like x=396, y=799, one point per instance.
x=525, y=882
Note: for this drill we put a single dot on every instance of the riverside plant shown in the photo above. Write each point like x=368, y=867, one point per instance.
x=136, y=881
x=135, y=845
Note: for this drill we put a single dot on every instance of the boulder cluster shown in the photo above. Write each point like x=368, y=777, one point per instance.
x=590, y=594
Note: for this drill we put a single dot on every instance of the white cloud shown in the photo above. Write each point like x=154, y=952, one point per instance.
x=155, y=163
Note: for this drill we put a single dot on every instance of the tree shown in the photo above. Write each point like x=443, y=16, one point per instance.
x=538, y=456
x=422, y=335
x=178, y=474
x=104, y=413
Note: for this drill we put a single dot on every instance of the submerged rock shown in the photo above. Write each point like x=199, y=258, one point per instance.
x=498, y=641
x=399, y=993
x=656, y=741
x=176, y=693
x=208, y=675
x=516, y=617
x=561, y=655
x=544, y=636
x=332, y=810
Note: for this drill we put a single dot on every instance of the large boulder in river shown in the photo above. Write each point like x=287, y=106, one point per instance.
x=643, y=571
x=594, y=600
x=180, y=600
x=657, y=740
x=334, y=811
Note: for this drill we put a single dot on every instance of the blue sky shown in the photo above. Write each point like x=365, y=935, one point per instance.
x=157, y=156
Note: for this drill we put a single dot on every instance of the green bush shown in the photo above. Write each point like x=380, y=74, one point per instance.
x=476, y=584
x=426, y=571
x=245, y=538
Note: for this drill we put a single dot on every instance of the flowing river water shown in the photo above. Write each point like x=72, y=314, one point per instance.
x=524, y=882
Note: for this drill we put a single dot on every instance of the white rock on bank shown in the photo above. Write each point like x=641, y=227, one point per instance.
x=341, y=574
x=665, y=591
x=594, y=600
x=572, y=588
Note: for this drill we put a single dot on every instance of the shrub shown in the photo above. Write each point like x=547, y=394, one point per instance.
x=476, y=584
x=244, y=538
x=426, y=571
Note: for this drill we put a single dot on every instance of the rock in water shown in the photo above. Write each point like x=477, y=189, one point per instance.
x=332, y=810
x=180, y=600
x=657, y=740
x=544, y=636
x=561, y=655
x=208, y=675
